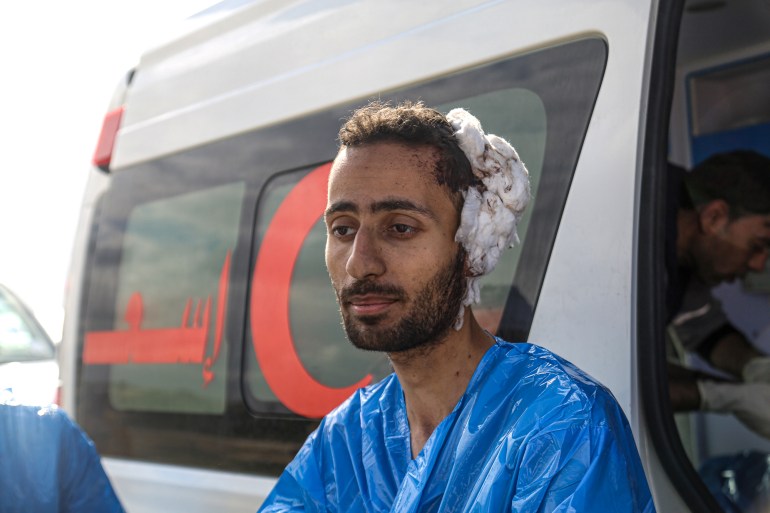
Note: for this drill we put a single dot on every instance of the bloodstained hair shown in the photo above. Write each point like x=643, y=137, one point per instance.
x=413, y=124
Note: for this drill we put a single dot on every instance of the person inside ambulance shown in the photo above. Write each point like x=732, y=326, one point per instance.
x=420, y=205
x=722, y=232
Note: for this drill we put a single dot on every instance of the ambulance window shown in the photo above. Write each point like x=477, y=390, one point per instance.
x=730, y=97
x=188, y=239
x=161, y=315
x=162, y=334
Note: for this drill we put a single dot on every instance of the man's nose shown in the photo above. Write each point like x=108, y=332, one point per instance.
x=365, y=259
x=758, y=261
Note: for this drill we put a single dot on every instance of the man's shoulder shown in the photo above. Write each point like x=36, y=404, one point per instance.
x=24, y=418
x=538, y=360
x=532, y=370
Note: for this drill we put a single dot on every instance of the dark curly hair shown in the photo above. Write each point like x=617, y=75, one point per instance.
x=412, y=124
x=740, y=178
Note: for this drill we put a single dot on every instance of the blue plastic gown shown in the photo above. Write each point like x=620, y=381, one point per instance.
x=532, y=433
x=47, y=465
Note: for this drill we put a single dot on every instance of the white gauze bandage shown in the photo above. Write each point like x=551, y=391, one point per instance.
x=492, y=210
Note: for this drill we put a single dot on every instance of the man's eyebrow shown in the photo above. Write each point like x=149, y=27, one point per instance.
x=341, y=206
x=385, y=205
x=401, y=204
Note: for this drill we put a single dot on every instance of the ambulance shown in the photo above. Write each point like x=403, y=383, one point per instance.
x=202, y=341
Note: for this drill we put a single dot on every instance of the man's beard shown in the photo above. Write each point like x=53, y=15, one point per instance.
x=707, y=269
x=433, y=312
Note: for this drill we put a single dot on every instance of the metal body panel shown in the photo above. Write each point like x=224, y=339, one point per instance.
x=257, y=79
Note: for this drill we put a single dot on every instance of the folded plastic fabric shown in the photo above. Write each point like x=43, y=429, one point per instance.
x=47, y=465
x=532, y=433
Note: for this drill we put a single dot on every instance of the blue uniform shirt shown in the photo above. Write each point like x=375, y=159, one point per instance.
x=531, y=433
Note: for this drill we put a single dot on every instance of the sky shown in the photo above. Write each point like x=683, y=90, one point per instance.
x=61, y=62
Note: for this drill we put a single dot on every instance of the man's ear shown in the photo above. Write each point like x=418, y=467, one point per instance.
x=714, y=216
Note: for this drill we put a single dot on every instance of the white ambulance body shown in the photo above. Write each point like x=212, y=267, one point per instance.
x=202, y=340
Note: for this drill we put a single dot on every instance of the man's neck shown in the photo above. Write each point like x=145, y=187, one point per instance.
x=434, y=378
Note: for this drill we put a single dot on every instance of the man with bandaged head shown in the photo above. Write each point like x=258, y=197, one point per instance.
x=420, y=205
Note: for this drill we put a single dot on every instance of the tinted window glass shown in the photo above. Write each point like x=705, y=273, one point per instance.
x=167, y=350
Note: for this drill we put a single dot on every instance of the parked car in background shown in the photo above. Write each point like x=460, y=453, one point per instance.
x=29, y=372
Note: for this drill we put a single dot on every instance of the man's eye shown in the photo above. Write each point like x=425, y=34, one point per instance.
x=403, y=229
x=342, y=231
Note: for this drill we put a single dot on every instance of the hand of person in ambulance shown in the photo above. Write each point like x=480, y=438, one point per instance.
x=757, y=370
x=749, y=402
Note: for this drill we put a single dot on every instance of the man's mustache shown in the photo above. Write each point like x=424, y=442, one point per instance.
x=361, y=288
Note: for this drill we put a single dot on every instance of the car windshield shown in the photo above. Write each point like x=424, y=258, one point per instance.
x=21, y=337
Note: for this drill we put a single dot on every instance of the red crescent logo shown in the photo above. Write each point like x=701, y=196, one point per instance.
x=270, y=329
